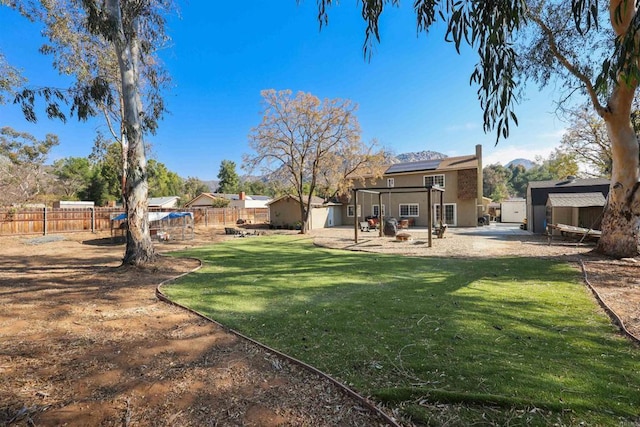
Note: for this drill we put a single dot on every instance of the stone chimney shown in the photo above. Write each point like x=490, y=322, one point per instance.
x=241, y=196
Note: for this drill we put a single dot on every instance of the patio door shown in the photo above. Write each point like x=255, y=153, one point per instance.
x=450, y=214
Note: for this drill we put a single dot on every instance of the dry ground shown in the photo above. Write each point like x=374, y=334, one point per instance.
x=83, y=342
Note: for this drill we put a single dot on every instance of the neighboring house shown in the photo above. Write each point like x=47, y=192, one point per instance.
x=73, y=204
x=247, y=201
x=168, y=202
x=540, y=212
x=203, y=200
x=240, y=201
x=285, y=212
x=460, y=177
x=513, y=210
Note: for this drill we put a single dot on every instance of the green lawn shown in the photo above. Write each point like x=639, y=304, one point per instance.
x=507, y=340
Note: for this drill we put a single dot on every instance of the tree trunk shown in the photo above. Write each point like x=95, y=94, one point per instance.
x=620, y=225
x=139, y=248
x=304, y=215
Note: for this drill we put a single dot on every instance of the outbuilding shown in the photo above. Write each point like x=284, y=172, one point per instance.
x=576, y=209
x=284, y=212
x=538, y=194
x=513, y=210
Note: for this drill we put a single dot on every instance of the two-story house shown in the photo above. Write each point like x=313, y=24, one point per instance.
x=460, y=177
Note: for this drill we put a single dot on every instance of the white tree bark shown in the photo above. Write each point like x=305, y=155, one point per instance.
x=139, y=248
x=620, y=226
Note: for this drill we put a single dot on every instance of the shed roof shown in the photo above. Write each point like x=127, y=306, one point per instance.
x=569, y=183
x=315, y=200
x=575, y=200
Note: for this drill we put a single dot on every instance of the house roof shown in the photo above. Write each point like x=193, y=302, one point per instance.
x=214, y=196
x=569, y=183
x=201, y=195
x=161, y=201
x=448, y=163
x=235, y=196
x=422, y=165
x=576, y=200
x=315, y=200
x=460, y=162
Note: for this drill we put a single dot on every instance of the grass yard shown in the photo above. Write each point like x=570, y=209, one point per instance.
x=503, y=341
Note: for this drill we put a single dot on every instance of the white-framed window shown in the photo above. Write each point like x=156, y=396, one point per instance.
x=376, y=211
x=434, y=180
x=390, y=182
x=409, y=209
x=450, y=213
x=350, y=211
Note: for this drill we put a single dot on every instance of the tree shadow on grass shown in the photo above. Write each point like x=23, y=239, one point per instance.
x=520, y=328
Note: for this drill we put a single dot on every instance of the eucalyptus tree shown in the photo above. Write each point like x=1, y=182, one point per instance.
x=22, y=172
x=10, y=79
x=588, y=48
x=91, y=59
x=110, y=48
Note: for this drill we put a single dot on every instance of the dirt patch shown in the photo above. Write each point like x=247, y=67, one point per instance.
x=84, y=342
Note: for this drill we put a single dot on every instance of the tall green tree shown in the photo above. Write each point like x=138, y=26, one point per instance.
x=519, y=180
x=495, y=182
x=73, y=174
x=163, y=182
x=592, y=47
x=107, y=177
x=229, y=179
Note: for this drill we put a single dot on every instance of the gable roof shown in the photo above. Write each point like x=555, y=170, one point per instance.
x=202, y=195
x=576, y=200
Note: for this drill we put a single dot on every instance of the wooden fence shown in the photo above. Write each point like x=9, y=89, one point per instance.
x=45, y=221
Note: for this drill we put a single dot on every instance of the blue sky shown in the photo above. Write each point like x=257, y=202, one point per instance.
x=413, y=95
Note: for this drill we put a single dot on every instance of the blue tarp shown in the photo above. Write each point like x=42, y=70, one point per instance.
x=157, y=216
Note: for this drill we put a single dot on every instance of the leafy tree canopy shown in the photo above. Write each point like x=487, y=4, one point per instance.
x=229, y=179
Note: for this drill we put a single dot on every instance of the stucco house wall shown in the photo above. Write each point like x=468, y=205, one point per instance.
x=462, y=197
x=285, y=212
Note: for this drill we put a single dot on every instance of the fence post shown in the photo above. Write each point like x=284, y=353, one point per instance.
x=93, y=220
x=44, y=220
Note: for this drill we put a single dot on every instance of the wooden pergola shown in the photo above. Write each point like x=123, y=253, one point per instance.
x=429, y=189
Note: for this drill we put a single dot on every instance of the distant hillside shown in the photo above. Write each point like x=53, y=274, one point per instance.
x=400, y=158
x=527, y=164
x=213, y=185
x=419, y=155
